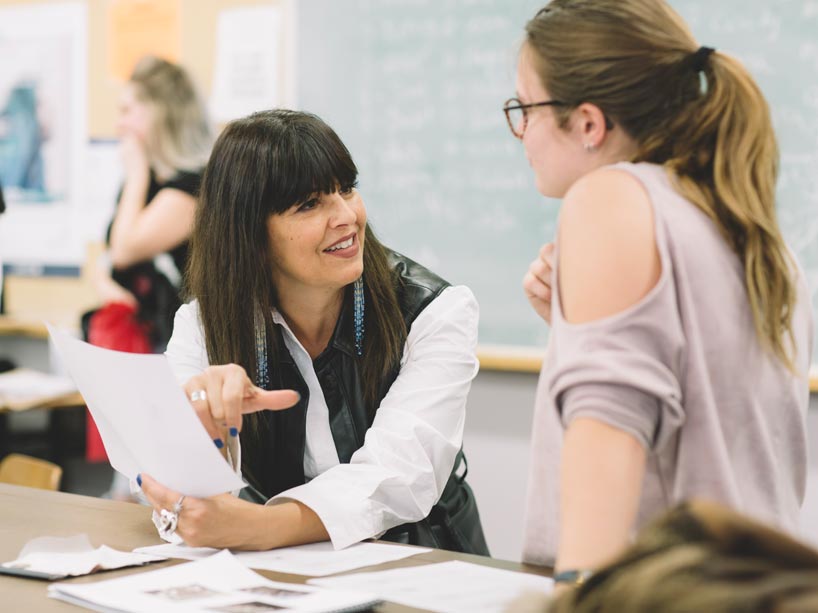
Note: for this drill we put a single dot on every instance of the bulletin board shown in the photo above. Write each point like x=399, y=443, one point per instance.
x=188, y=35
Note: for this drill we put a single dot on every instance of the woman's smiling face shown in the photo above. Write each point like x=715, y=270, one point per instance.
x=319, y=243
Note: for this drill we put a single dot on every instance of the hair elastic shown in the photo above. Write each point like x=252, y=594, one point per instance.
x=698, y=59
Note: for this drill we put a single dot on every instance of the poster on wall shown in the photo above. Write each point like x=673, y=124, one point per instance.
x=246, y=62
x=43, y=131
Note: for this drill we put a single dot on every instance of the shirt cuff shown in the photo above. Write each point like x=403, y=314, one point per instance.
x=345, y=518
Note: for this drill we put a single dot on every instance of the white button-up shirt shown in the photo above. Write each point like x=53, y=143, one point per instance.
x=409, y=451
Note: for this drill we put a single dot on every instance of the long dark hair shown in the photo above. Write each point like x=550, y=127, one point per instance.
x=637, y=61
x=261, y=166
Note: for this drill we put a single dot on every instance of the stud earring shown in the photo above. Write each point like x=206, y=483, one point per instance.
x=589, y=147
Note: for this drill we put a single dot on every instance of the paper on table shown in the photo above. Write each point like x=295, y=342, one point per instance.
x=314, y=560
x=144, y=418
x=448, y=587
x=218, y=583
x=74, y=556
x=23, y=388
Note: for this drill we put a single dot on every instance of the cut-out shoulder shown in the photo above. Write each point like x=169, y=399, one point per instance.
x=608, y=259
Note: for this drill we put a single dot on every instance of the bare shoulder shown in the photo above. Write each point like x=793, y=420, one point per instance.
x=173, y=197
x=608, y=258
x=607, y=191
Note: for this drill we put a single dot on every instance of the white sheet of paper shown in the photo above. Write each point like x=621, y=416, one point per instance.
x=314, y=560
x=448, y=587
x=218, y=583
x=74, y=556
x=246, y=66
x=144, y=418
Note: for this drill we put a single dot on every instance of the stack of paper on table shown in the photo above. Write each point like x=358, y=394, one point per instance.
x=23, y=388
x=447, y=587
x=218, y=584
x=313, y=560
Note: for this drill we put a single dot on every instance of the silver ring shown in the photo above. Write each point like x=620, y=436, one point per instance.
x=168, y=520
x=177, y=506
x=198, y=395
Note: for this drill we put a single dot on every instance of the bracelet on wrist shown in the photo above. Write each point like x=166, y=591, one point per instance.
x=574, y=577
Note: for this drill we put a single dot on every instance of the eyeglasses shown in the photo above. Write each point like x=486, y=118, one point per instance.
x=517, y=113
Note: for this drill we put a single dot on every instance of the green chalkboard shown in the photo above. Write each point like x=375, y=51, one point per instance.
x=415, y=89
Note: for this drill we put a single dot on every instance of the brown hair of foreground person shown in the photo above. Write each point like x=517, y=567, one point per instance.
x=698, y=557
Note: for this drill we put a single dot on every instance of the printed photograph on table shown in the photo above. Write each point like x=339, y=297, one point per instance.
x=274, y=592
x=184, y=592
x=248, y=607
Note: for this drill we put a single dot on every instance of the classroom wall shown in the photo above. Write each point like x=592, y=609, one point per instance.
x=197, y=33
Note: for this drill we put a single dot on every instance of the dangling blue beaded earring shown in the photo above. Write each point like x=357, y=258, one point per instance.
x=358, y=301
x=261, y=349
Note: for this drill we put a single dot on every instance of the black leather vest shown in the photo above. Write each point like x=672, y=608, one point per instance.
x=273, y=451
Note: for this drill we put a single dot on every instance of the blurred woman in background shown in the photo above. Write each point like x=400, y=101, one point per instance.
x=165, y=141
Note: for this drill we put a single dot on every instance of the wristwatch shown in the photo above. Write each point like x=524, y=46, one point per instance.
x=574, y=577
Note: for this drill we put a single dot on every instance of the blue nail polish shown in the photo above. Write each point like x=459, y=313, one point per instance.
x=218, y=442
x=234, y=431
x=139, y=480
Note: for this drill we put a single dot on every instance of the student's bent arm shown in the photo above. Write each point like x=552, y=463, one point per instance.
x=608, y=261
x=600, y=482
x=141, y=232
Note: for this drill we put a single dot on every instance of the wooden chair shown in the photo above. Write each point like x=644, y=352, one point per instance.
x=18, y=469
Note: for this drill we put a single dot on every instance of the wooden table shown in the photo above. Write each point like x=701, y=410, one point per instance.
x=26, y=513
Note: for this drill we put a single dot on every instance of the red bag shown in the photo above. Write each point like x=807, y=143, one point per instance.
x=114, y=326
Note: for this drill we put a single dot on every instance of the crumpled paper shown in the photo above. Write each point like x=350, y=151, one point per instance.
x=73, y=556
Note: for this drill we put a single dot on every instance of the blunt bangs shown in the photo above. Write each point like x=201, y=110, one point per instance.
x=308, y=158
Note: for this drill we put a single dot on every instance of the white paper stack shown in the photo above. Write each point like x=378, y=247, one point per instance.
x=313, y=560
x=217, y=584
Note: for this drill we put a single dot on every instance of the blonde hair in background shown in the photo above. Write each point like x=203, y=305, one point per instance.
x=180, y=135
x=712, y=128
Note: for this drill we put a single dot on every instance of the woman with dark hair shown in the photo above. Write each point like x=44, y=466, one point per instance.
x=294, y=292
x=681, y=322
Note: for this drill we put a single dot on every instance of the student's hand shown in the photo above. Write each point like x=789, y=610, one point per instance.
x=134, y=158
x=537, y=282
x=222, y=394
x=221, y=521
x=110, y=291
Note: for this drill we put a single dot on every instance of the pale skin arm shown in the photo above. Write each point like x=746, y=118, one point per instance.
x=226, y=521
x=140, y=232
x=608, y=262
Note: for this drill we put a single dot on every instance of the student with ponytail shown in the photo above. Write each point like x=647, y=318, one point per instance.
x=681, y=326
